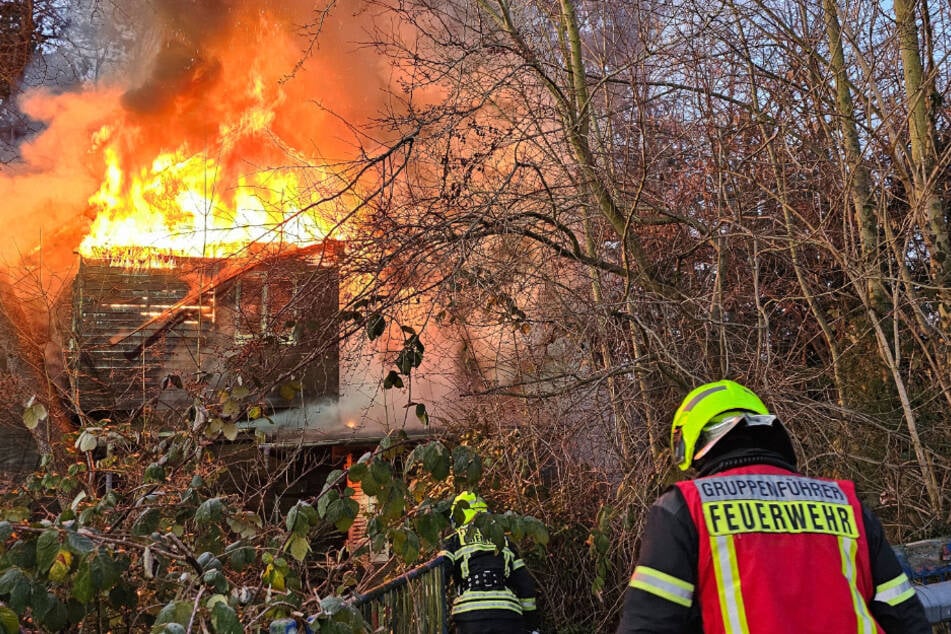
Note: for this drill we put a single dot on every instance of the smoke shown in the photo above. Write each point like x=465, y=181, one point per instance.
x=45, y=193
x=198, y=65
x=192, y=79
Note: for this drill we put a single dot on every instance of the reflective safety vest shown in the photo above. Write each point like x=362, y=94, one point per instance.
x=484, y=572
x=780, y=552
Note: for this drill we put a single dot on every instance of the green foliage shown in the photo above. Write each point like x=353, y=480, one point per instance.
x=599, y=547
x=171, y=552
x=33, y=415
x=375, y=326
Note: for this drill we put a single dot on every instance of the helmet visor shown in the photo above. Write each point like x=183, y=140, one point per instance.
x=716, y=430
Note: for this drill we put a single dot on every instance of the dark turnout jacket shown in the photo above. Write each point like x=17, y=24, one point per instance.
x=490, y=584
x=667, y=588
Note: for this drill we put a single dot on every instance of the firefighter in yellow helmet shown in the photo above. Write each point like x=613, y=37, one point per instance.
x=751, y=546
x=494, y=592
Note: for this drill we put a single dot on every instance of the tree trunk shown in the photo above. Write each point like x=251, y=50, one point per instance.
x=925, y=199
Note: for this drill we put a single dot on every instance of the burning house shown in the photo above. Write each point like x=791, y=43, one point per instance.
x=210, y=186
x=161, y=333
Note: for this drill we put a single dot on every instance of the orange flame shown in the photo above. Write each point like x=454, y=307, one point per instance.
x=243, y=187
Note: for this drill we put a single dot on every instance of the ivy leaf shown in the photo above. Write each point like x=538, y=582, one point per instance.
x=298, y=547
x=154, y=473
x=351, y=508
x=375, y=326
x=342, y=512
x=9, y=623
x=289, y=390
x=47, y=545
x=332, y=478
x=9, y=580
x=358, y=471
x=240, y=556
x=411, y=356
x=324, y=502
x=381, y=471
x=466, y=465
x=50, y=611
x=370, y=485
x=436, y=460
x=392, y=380
x=393, y=504
x=224, y=620
x=406, y=545
x=210, y=511
x=61, y=566
x=301, y=517
x=104, y=570
x=230, y=430
x=428, y=527
x=79, y=544
x=21, y=554
x=147, y=522
x=175, y=612
x=421, y=414
x=230, y=408
x=245, y=523
x=87, y=441
x=213, y=427
x=216, y=579
x=538, y=532
x=82, y=589
x=33, y=414
x=296, y=522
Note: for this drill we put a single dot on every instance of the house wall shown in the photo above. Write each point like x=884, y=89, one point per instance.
x=157, y=337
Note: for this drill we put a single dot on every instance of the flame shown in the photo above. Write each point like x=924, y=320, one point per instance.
x=228, y=181
x=177, y=206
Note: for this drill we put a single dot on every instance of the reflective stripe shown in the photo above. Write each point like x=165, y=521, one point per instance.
x=727, y=573
x=702, y=395
x=472, y=542
x=527, y=604
x=463, y=555
x=895, y=591
x=663, y=585
x=447, y=554
x=848, y=549
x=518, y=564
x=473, y=600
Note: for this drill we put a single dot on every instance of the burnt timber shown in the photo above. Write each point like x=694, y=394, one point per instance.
x=156, y=337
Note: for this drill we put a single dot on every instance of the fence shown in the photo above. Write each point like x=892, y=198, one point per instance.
x=413, y=603
x=416, y=601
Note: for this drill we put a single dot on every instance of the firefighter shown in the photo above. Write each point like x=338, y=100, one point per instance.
x=495, y=593
x=751, y=546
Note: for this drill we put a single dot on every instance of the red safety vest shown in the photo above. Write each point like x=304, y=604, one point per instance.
x=780, y=552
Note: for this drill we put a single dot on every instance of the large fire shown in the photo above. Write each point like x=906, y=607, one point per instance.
x=206, y=172
x=180, y=206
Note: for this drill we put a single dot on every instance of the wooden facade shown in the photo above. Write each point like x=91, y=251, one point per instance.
x=157, y=337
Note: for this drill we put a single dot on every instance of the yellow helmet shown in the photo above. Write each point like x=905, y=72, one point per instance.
x=470, y=505
x=707, y=414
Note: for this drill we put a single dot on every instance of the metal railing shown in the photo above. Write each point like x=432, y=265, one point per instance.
x=413, y=603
